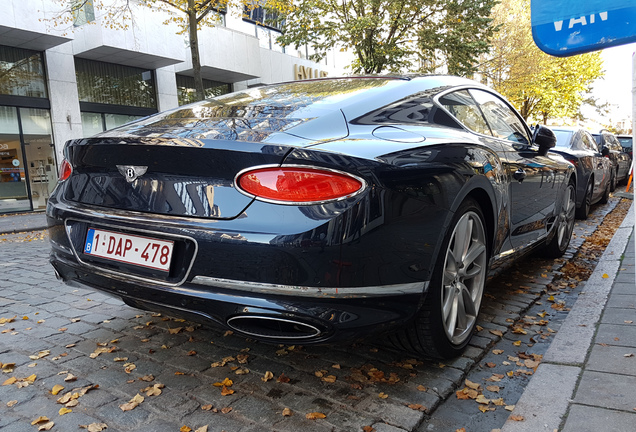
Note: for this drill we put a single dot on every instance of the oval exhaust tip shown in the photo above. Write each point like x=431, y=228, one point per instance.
x=273, y=327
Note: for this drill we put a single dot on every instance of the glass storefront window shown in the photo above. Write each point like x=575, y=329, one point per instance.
x=27, y=161
x=40, y=160
x=113, y=84
x=94, y=123
x=187, y=93
x=14, y=194
x=21, y=73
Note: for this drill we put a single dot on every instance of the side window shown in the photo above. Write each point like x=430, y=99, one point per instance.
x=589, y=142
x=461, y=105
x=502, y=119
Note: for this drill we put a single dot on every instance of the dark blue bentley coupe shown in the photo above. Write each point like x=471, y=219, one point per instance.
x=315, y=211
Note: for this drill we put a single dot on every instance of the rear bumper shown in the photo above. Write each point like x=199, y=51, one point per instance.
x=278, y=318
x=289, y=311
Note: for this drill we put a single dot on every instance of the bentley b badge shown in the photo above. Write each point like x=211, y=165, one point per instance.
x=132, y=172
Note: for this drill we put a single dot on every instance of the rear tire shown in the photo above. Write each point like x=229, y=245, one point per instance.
x=605, y=198
x=583, y=211
x=446, y=321
x=564, y=225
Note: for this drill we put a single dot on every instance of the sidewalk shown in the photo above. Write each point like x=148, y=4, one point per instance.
x=587, y=378
x=22, y=222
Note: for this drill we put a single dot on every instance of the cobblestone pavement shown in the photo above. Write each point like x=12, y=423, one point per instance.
x=123, y=351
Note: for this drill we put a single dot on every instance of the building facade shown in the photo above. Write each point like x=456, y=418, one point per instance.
x=60, y=81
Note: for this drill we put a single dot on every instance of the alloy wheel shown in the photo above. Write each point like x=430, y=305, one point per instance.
x=464, y=276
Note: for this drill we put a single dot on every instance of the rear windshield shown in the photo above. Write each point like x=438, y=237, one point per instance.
x=563, y=138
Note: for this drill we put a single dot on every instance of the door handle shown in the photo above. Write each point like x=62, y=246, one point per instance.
x=519, y=175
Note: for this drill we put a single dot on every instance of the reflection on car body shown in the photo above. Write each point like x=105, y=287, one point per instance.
x=594, y=170
x=621, y=161
x=318, y=211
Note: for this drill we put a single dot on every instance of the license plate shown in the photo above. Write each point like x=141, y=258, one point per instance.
x=131, y=249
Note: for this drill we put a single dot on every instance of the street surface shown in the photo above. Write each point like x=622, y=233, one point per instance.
x=104, y=353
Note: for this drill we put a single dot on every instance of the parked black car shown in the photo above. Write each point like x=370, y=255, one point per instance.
x=315, y=211
x=593, y=169
x=626, y=144
x=620, y=160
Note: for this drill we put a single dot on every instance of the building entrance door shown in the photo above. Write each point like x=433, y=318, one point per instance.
x=28, y=171
x=14, y=195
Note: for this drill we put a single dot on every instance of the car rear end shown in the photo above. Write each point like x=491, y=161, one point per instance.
x=181, y=213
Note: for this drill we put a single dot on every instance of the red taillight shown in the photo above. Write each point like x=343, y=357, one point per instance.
x=298, y=185
x=65, y=170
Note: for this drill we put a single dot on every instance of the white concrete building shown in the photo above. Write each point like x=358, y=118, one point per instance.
x=64, y=81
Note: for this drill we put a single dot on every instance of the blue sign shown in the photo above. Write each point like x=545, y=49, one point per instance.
x=566, y=27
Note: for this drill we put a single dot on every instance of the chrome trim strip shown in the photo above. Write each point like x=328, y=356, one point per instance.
x=305, y=291
x=318, y=332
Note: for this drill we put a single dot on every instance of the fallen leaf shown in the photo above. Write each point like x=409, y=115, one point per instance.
x=64, y=410
x=174, y=330
x=70, y=378
x=471, y=385
x=95, y=427
x=154, y=390
x=421, y=388
x=185, y=429
x=202, y=429
x=72, y=403
x=46, y=426
x=225, y=391
x=481, y=399
x=31, y=378
x=12, y=403
x=226, y=410
x=268, y=376
x=192, y=352
x=497, y=351
x=41, y=419
x=206, y=407
x=40, y=355
x=147, y=378
x=56, y=389
x=10, y=381
x=133, y=403
x=368, y=429
x=497, y=332
x=417, y=407
x=517, y=418
x=509, y=407
x=283, y=378
x=315, y=415
x=287, y=412
x=383, y=395
x=329, y=379
x=493, y=388
x=225, y=383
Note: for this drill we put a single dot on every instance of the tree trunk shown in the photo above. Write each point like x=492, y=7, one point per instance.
x=194, y=50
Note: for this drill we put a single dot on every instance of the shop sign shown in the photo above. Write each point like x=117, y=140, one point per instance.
x=306, y=72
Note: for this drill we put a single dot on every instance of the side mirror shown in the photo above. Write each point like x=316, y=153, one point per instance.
x=544, y=138
x=605, y=151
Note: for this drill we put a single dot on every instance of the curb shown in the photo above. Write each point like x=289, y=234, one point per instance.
x=549, y=393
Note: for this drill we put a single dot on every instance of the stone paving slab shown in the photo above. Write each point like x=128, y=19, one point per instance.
x=607, y=390
x=592, y=419
x=617, y=359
